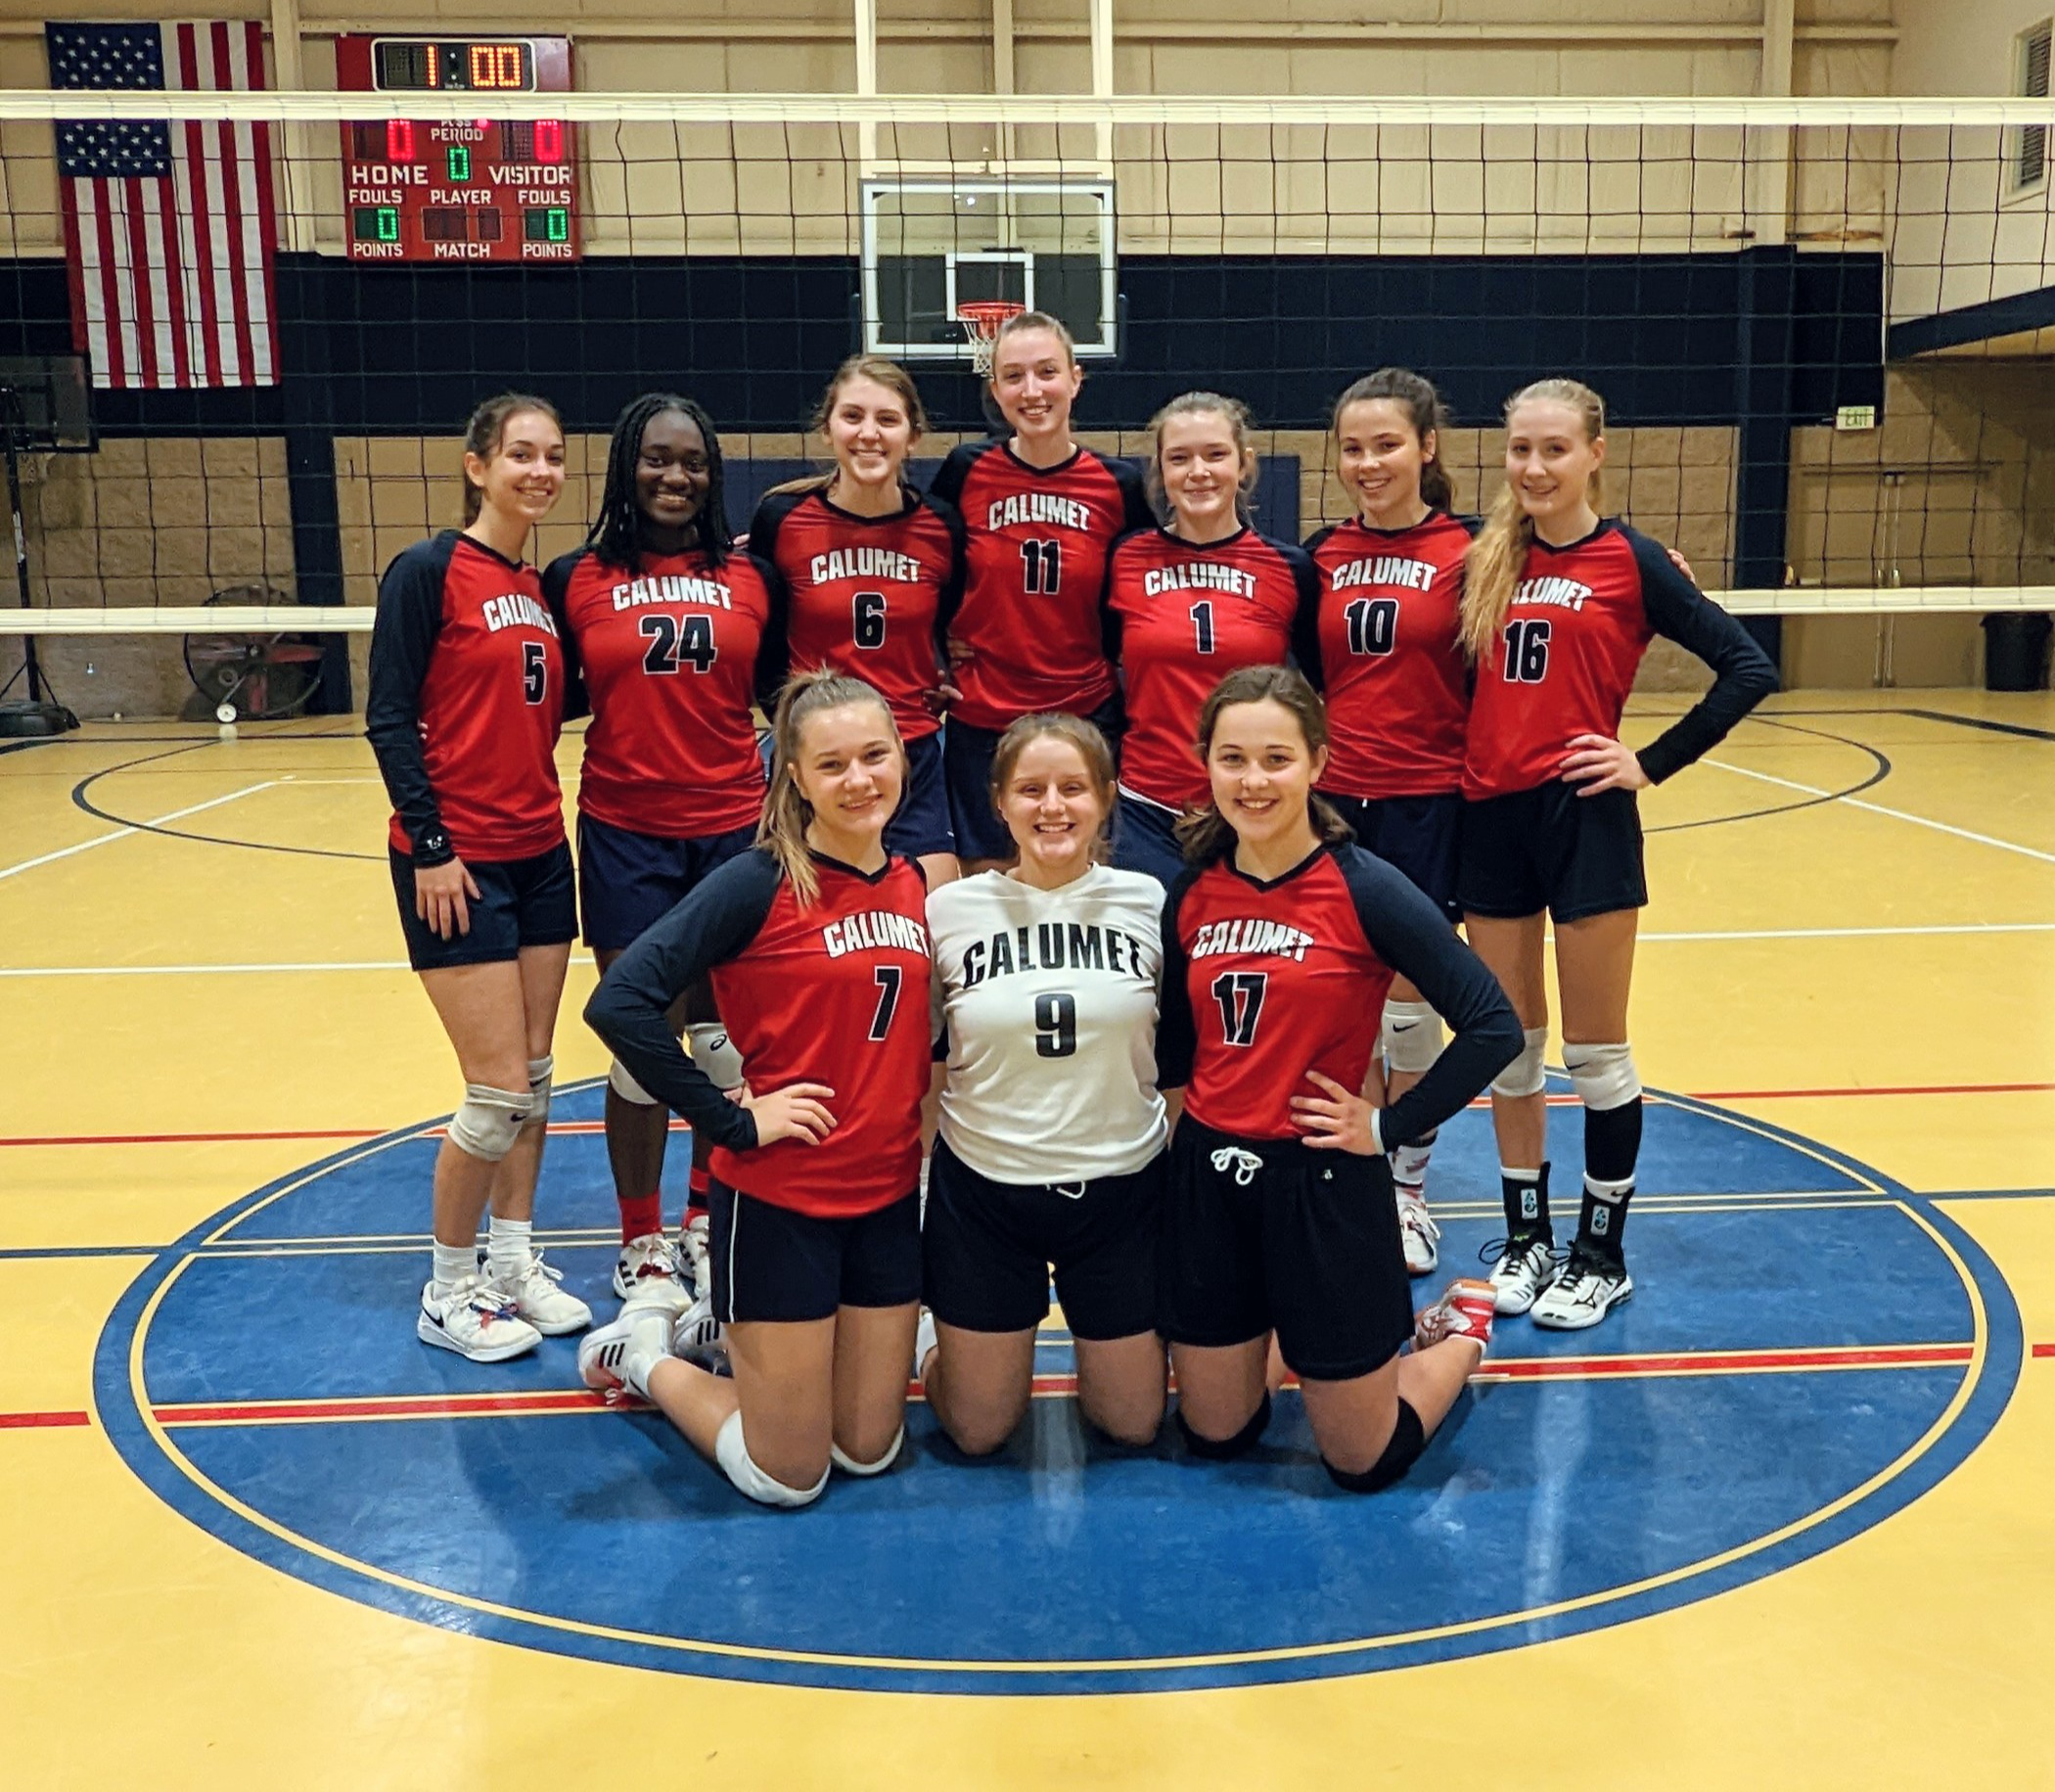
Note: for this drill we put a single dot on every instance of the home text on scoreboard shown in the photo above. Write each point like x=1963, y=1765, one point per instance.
x=458, y=189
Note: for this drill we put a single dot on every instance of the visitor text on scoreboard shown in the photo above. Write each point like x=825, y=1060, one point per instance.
x=458, y=189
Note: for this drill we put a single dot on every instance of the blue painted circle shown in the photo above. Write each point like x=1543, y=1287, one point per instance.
x=1551, y=1503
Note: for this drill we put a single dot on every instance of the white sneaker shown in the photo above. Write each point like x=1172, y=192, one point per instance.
x=1418, y=1230
x=539, y=1300
x=622, y=1353
x=692, y=1239
x=1522, y=1269
x=1464, y=1311
x=473, y=1319
x=1588, y=1288
x=925, y=1340
x=696, y=1335
x=648, y=1274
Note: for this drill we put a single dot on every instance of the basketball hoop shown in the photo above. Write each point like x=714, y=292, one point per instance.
x=983, y=319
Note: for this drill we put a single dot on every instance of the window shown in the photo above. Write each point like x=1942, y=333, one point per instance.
x=2030, y=151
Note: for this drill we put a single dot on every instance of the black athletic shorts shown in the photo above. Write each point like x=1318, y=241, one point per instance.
x=1145, y=839
x=521, y=902
x=919, y=825
x=1549, y=847
x=967, y=766
x=770, y=1262
x=627, y=880
x=989, y=1248
x=1264, y=1235
x=1421, y=835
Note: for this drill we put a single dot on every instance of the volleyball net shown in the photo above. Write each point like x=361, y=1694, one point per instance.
x=1822, y=327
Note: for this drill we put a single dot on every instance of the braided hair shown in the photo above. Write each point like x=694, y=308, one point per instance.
x=615, y=536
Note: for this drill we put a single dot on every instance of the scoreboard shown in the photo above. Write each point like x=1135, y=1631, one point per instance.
x=458, y=189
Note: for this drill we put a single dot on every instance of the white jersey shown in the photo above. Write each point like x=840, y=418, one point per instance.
x=1050, y=997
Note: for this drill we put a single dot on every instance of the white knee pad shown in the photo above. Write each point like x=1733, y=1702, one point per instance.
x=1525, y=1075
x=850, y=1466
x=489, y=1122
x=713, y=1054
x=733, y=1456
x=626, y=1087
x=542, y=1074
x=1603, y=1075
x=1413, y=1035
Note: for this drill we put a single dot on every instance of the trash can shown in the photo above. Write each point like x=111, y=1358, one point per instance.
x=2015, y=650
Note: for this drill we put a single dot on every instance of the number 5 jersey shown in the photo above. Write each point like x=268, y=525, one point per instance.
x=1048, y=1002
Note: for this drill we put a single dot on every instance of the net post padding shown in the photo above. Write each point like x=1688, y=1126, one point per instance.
x=983, y=319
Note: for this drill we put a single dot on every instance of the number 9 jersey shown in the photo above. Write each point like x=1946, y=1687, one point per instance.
x=1048, y=1001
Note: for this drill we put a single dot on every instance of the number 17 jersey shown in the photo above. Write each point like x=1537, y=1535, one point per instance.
x=1037, y=544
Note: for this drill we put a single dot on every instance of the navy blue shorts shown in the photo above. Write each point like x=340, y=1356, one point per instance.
x=920, y=823
x=770, y=1262
x=1549, y=847
x=626, y=880
x=967, y=764
x=521, y=902
x=1145, y=839
x=1421, y=835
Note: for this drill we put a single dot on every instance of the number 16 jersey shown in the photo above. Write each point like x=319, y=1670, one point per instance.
x=1048, y=998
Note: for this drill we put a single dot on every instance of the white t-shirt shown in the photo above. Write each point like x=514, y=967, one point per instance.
x=1050, y=997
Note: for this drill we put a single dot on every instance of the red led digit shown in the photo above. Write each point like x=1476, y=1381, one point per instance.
x=549, y=140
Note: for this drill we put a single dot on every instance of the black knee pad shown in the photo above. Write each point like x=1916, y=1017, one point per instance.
x=1216, y=1449
x=1409, y=1439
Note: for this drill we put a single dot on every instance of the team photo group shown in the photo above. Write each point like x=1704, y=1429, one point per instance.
x=1120, y=896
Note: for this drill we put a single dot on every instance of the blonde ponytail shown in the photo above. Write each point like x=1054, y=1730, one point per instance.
x=782, y=830
x=1498, y=556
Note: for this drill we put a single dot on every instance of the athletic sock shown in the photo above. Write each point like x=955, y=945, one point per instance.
x=1526, y=1193
x=635, y=1368
x=453, y=1262
x=1410, y=1161
x=1604, y=1218
x=1612, y=1142
x=508, y=1246
x=699, y=1183
x=640, y=1216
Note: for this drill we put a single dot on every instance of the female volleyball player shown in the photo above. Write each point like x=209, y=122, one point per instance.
x=1388, y=661
x=876, y=572
x=675, y=634
x=1187, y=603
x=1052, y=1130
x=466, y=703
x=816, y=941
x=1558, y=606
x=1280, y=943
x=1042, y=515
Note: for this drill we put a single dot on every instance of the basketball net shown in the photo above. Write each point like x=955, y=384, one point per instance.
x=983, y=319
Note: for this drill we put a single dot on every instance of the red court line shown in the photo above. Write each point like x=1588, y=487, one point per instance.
x=593, y=1127
x=2044, y=1349
x=36, y=1421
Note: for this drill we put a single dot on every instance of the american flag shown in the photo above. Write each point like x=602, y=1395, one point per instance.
x=168, y=225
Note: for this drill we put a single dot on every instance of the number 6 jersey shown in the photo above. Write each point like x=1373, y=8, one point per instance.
x=1048, y=1000
x=1264, y=981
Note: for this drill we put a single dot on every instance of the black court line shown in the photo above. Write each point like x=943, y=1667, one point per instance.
x=1880, y=770
x=1977, y=721
x=79, y=797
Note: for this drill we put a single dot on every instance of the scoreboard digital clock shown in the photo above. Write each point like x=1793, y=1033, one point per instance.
x=458, y=189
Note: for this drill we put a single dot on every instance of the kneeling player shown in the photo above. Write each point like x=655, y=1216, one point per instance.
x=816, y=942
x=1052, y=1129
x=1280, y=945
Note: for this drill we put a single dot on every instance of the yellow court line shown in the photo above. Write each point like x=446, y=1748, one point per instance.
x=1979, y=1354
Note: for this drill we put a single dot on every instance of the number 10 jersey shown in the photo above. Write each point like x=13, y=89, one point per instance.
x=1048, y=1001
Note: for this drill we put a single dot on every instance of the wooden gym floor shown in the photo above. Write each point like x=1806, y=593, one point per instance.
x=1783, y=1522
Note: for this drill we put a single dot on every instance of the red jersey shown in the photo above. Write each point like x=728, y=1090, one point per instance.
x=672, y=656
x=466, y=703
x=1264, y=982
x=1039, y=541
x=836, y=992
x=1179, y=618
x=1580, y=617
x=870, y=596
x=1389, y=662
